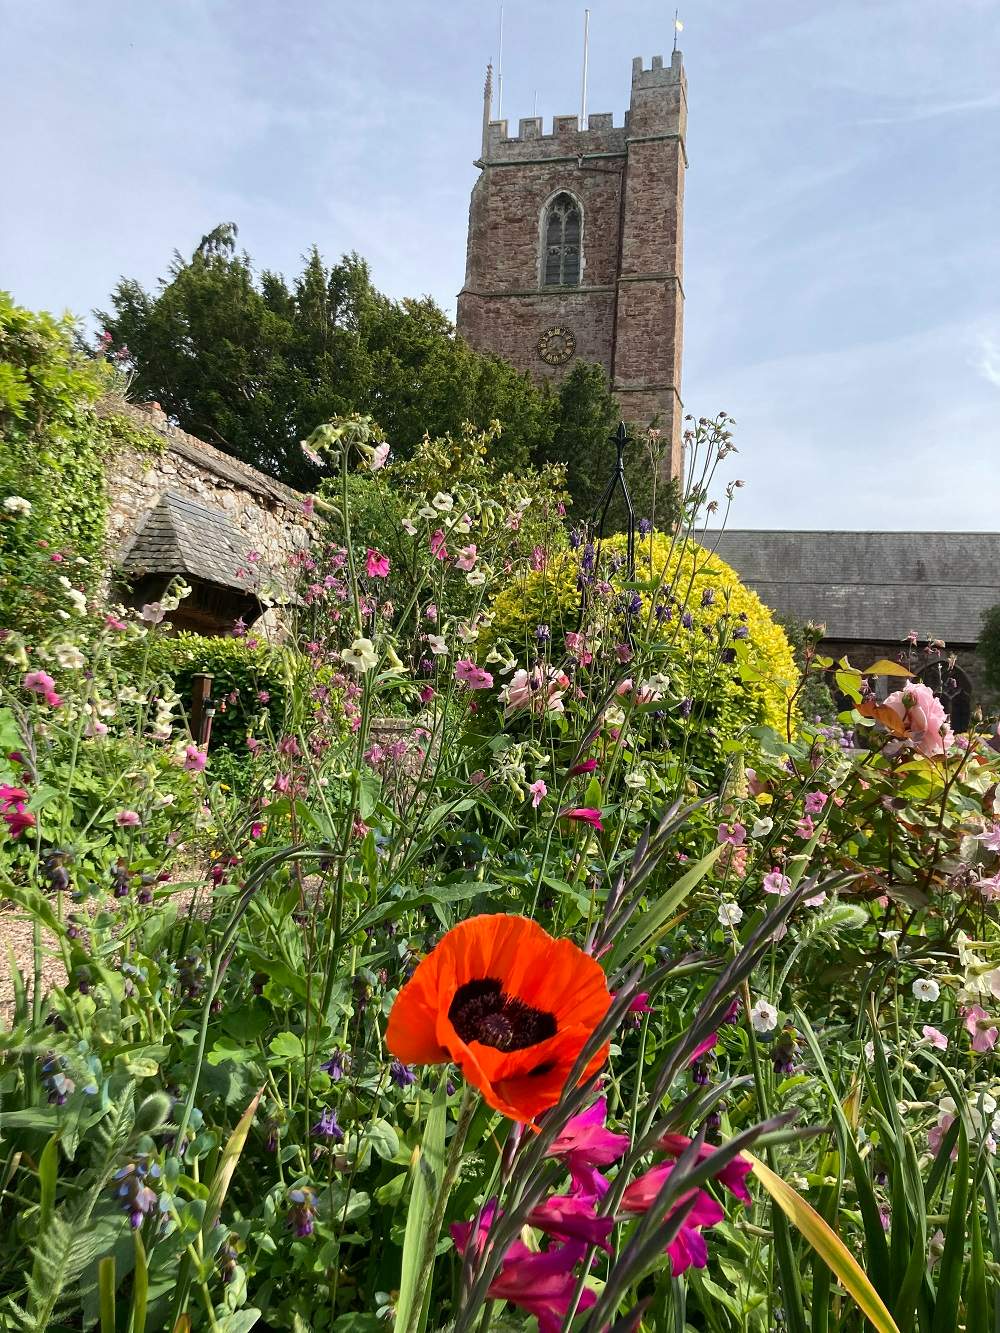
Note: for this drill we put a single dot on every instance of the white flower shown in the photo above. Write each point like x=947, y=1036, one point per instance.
x=656, y=684
x=69, y=656
x=409, y=527
x=427, y=511
x=437, y=644
x=17, y=504
x=764, y=1017
x=475, y=578
x=925, y=988
x=730, y=914
x=523, y=503
x=614, y=716
x=464, y=525
x=361, y=655
x=762, y=827
x=635, y=780
x=379, y=455
x=468, y=633
x=443, y=503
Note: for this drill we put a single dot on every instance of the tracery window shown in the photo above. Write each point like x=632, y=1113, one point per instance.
x=563, y=226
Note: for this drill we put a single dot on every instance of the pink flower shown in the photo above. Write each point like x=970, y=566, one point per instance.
x=935, y=1135
x=641, y=1005
x=256, y=829
x=38, y=682
x=438, y=549
x=466, y=558
x=113, y=622
x=815, y=801
x=127, y=819
x=194, y=759
x=935, y=1038
x=981, y=1029
x=379, y=455
x=12, y=810
x=427, y=694
x=309, y=506
x=732, y=833
x=376, y=564
x=541, y=690
x=584, y=815
x=584, y=1144
x=990, y=838
x=777, y=883
x=688, y=1249
x=571, y=1217
x=542, y=1284
x=587, y=766
x=805, y=828
x=474, y=676
x=538, y=558
x=538, y=792
x=924, y=719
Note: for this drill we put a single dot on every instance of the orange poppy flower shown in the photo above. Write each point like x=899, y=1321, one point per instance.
x=510, y=1005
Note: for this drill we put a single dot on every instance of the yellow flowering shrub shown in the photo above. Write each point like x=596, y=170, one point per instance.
x=730, y=664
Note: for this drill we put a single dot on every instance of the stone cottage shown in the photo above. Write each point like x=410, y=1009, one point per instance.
x=232, y=533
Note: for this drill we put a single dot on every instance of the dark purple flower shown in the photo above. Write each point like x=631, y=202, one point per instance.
x=685, y=706
x=542, y=633
x=687, y=620
x=707, y=596
x=741, y=632
x=326, y=1126
x=645, y=526
x=302, y=1211
x=137, y=1199
x=663, y=613
x=335, y=1066
x=576, y=538
x=402, y=1075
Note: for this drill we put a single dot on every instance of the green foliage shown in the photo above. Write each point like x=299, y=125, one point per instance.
x=988, y=647
x=814, y=699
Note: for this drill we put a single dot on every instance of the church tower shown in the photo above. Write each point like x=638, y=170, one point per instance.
x=575, y=247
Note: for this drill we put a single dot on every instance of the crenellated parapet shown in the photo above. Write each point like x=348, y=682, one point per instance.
x=566, y=138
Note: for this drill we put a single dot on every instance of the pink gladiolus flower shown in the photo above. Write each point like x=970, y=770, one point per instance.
x=570, y=1217
x=194, y=759
x=777, y=883
x=38, y=682
x=934, y=1038
x=466, y=558
x=585, y=815
x=587, y=766
x=688, y=1248
x=923, y=717
x=542, y=1284
x=127, y=819
x=585, y=1144
x=474, y=676
x=981, y=1029
x=707, y=1045
x=438, y=549
x=732, y=833
x=641, y=1005
x=376, y=564
x=733, y=1175
x=814, y=802
x=538, y=792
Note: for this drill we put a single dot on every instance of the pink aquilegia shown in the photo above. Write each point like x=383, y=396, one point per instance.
x=376, y=564
x=538, y=791
x=472, y=675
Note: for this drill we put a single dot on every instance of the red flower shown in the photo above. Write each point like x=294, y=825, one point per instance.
x=510, y=1005
x=585, y=815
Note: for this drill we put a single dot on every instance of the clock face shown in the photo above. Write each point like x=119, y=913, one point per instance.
x=556, y=345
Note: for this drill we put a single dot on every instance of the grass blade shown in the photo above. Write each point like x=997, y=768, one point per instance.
x=660, y=911
x=427, y=1171
x=106, y=1292
x=140, y=1287
x=949, y=1286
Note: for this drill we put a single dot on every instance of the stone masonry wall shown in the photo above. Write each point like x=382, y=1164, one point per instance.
x=270, y=515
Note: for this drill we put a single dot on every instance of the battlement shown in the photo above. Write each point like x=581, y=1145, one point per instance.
x=566, y=137
x=658, y=75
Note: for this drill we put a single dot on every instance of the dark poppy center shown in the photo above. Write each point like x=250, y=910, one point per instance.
x=482, y=1012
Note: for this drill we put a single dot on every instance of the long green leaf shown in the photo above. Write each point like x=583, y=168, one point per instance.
x=227, y=1165
x=828, y=1245
x=950, y=1272
x=106, y=1292
x=140, y=1287
x=48, y=1165
x=659, y=912
x=427, y=1170
x=976, y=1300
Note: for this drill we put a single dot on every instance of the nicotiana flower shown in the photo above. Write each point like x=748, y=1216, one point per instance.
x=764, y=1017
x=379, y=457
x=776, y=882
x=194, y=759
x=437, y=644
x=538, y=791
x=443, y=503
x=472, y=675
x=127, y=819
x=17, y=504
x=475, y=578
x=69, y=656
x=981, y=1028
x=409, y=527
x=991, y=838
x=466, y=558
x=730, y=914
x=376, y=564
x=934, y=1037
x=361, y=656
x=926, y=989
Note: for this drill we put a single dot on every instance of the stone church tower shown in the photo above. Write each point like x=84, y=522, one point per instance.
x=575, y=247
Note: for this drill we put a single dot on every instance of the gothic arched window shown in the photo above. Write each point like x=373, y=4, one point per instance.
x=561, y=258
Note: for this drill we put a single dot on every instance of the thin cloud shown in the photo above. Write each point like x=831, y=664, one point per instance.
x=988, y=362
x=934, y=110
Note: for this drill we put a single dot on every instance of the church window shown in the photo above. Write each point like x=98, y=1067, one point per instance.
x=561, y=258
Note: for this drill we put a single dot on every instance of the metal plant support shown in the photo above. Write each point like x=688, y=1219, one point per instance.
x=619, y=440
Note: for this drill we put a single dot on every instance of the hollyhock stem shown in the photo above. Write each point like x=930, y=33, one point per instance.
x=448, y=1178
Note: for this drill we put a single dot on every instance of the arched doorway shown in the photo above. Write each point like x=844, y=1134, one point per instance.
x=953, y=687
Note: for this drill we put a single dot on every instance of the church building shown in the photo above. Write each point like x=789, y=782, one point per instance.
x=575, y=247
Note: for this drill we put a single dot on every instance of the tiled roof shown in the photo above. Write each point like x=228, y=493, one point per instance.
x=179, y=536
x=871, y=586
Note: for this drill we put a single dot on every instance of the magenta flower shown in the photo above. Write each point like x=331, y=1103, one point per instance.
x=38, y=682
x=541, y=1284
x=427, y=694
x=814, y=802
x=538, y=792
x=733, y=833
x=585, y=766
x=640, y=1005
x=981, y=1028
x=571, y=1217
x=585, y=815
x=733, y=1175
x=438, y=549
x=256, y=830
x=474, y=676
x=12, y=810
x=805, y=828
x=376, y=564
x=194, y=759
x=688, y=1248
x=127, y=819
x=585, y=1144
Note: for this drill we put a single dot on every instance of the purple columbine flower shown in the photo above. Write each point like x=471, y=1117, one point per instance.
x=402, y=1075
x=335, y=1066
x=326, y=1126
x=302, y=1212
x=741, y=632
x=663, y=613
x=707, y=596
x=576, y=538
x=635, y=604
x=687, y=620
x=589, y=557
x=645, y=526
x=542, y=633
x=685, y=706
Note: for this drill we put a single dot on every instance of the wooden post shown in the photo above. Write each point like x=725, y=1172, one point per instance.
x=202, y=711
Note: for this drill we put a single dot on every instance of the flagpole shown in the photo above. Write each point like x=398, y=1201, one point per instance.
x=586, y=52
x=500, y=69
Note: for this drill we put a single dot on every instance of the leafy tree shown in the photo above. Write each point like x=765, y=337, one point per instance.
x=989, y=648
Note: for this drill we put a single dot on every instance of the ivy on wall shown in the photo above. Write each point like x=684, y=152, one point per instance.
x=57, y=437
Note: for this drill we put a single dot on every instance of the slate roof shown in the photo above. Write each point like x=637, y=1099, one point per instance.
x=179, y=536
x=871, y=586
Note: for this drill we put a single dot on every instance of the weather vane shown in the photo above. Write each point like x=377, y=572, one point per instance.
x=678, y=27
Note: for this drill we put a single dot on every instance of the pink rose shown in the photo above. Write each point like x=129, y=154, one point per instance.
x=923, y=717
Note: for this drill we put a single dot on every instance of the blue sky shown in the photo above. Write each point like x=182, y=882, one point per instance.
x=843, y=206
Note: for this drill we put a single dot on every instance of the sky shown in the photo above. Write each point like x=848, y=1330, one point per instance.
x=842, y=226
